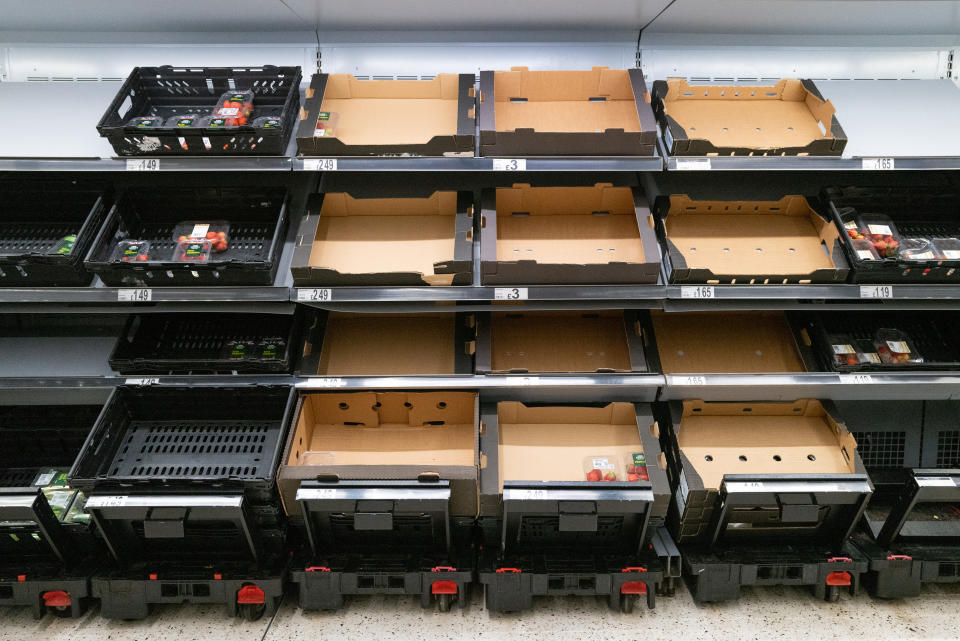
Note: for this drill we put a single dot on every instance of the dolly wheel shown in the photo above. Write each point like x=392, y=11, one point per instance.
x=833, y=594
x=251, y=602
x=252, y=611
x=628, y=602
x=445, y=602
x=57, y=602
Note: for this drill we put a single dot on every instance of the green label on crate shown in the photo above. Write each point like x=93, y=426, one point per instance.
x=639, y=458
x=131, y=250
x=270, y=352
x=186, y=121
x=193, y=251
x=217, y=122
x=238, y=351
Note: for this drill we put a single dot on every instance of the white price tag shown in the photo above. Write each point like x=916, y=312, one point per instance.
x=320, y=164
x=143, y=164
x=527, y=495
x=510, y=293
x=937, y=481
x=328, y=382
x=877, y=164
x=602, y=464
x=697, y=291
x=314, y=295
x=856, y=379
x=509, y=164
x=142, y=381
x=693, y=164
x=134, y=295
x=527, y=380
x=876, y=291
x=693, y=380
x=112, y=501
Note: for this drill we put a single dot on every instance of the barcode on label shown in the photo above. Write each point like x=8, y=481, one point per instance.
x=870, y=357
x=509, y=164
x=865, y=254
x=698, y=291
x=876, y=291
x=843, y=349
x=510, y=293
x=880, y=230
x=602, y=464
x=900, y=347
x=134, y=295
x=314, y=295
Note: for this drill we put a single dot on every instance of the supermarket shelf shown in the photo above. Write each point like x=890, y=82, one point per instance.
x=325, y=297
x=584, y=163
x=839, y=296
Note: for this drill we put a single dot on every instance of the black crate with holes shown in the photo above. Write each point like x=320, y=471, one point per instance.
x=156, y=236
x=181, y=483
x=911, y=527
x=47, y=547
x=46, y=228
x=208, y=111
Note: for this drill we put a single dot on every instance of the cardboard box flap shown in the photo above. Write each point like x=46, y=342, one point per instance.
x=551, y=201
x=617, y=413
x=344, y=204
x=346, y=86
x=599, y=82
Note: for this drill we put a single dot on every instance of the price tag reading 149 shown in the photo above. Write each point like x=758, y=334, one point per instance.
x=876, y=291
x=143, y=164
x=134, y=295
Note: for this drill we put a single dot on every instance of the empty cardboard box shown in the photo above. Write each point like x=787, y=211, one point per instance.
x=713, y=439
x=343, y=116
x=343, y=344
x=749, y=242
x=561, y=342
x=725, y=343
x=790, y=118
x=371, y=239
x=601, y=112
x=599, y=234
x=564, y=444
x=386, y=436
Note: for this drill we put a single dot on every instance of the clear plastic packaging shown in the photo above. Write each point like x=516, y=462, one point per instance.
x=326, y=126
x=239, y=350
x=272, y=349
x=268, y=122
x=194, y=250
x=949, y=248
x=185, y=121
x=615, y=467
x=863, y=249
x=845, y=351
x=216, y=231
x=145, y=122
x=918, y=249
x=234, y=108
x=882, y=232
x=895, y=348
x=64, y=246
x=129, y=251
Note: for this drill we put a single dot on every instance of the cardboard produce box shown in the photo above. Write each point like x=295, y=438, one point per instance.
x=749, y=242
x=601, y=112
x=385, y=436
x=368, y=238
x=562, y=342
x=599, y=234
x=562, y=445
x=343, y=116
x=710, y=440
x=434, y=344
x=724, y=343
x=789, y=118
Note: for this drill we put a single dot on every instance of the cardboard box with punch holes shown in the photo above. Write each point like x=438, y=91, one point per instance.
x=597, y=234
x=562, y=342
x=369, y=238
x=601, y=112
x=723, y=343
x=790, y=118
x=433, y=344
x=749, y=242
x=706, y=441
x=384, y=435
x=520, y=442
x=388, y=117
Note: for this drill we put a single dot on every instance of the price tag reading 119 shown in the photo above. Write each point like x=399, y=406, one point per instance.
x=698, y=291
x=876, y=291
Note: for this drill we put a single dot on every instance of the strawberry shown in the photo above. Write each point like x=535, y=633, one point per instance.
x=594, y=475
x=611, y=476
x=632, y=477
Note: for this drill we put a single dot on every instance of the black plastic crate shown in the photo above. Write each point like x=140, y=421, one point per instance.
x=925, y=212
x=163, y=343
x=935, y=336
x=201, y=438
x=166, y=92
x=257, y=216
x=35, y=216
x=941, y=435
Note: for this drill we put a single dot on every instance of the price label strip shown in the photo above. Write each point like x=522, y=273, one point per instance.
x=877, y=164
x=693, y=164
x=134, y=295
x=856, y=379
x=693, y=380
x=697, y=291
x=320, y=164
x=142, y=381
x=143, y=164
x=509, y=164
x=314, y=295
x=876, y=291
x=510, y=293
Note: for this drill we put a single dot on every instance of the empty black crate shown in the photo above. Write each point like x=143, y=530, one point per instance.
x=161, y=343
x=257, y=218
x=37, y=217
x=935, y=337
x=918, y=212
x=167, y=92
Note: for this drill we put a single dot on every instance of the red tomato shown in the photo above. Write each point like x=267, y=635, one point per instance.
x=594, y=475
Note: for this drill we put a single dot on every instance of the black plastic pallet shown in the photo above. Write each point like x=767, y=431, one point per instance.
x=64, y=594
x=257, y=217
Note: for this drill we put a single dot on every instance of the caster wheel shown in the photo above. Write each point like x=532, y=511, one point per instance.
x=445, y=602
x=252, y=611
x=833, y=594
x=62, y=612
x=628, y=602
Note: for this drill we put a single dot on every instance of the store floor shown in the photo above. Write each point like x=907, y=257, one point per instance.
x=763, y=614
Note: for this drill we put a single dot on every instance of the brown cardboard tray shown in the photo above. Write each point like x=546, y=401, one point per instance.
x=725, y=343
x=749, y=242
x=388, y=117
x=384, y=435
x=597, y=234
x=789, y=118
x=601, y=112
x=345, y=344
x=373, y=239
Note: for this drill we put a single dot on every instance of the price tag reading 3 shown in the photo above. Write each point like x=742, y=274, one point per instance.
x=877, y=164
x=509, y=164
x=876, y=291
x=698, y=291
x=510, y=293
x=314, y=295
x=320, y=164
x=134, y=295
x=143, y=164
